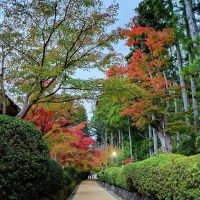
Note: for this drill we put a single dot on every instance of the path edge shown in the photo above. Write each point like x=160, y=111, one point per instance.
x=74, y=192
x=109, y=191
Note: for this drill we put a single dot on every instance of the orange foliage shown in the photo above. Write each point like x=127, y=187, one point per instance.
x=116, y=71
x=145, y=69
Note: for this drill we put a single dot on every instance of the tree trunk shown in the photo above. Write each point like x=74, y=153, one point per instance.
x=168, y=143
x=130, y=138
x=191, y=20
x=106, y=138
x=177, y=134
x=155, y=142
x=180, y=65
x=192, y=31
x=111, y=139
x=150, y=137
x=155, y=137
x=119, y=134
x=167, y=87
x=165, y=140
x=112, y=144
x=3, y=94
x=26, y=107
x=195, y=104
x=182, y=81
x=122, y=139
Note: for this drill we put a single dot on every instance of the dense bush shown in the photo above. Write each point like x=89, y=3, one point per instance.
x=55, y=181
x=113, y=176
x=24, y=160
x=161, y=177
x=26, y=170
x=70, y=180
x=72, y=177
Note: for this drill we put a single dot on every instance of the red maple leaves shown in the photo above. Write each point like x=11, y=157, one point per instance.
x=116, y=71
x=68, y=143
x=145, y=69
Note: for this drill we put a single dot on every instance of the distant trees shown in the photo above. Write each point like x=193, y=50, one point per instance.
x=162, y=68
x=180, y=16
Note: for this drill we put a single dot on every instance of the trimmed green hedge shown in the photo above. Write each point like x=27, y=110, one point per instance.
x=113, y=176
x=72, y=178
x=161, y=177
x=55, y=181
x=24, y=160
x=26, y=169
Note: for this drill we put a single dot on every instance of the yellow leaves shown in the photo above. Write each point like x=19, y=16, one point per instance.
x=24, y=86
x=141, y=122
x=92, y=57
x=80, y=126
x=120, y=87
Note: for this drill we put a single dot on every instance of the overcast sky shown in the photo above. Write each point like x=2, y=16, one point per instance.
x=125, y=13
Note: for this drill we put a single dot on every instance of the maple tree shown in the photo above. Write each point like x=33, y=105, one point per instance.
x=67, y=142
x=52, y=40
x=146, y=71
x=182, y=17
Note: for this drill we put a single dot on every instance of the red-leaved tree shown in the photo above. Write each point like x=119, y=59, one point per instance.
x=146, y=71
x=68, y=144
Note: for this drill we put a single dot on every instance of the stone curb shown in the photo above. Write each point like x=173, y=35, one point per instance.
x=120, y=193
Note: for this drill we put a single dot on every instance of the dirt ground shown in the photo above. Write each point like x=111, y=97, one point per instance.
x=91, y=190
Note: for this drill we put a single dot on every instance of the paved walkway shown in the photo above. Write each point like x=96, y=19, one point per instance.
x=91, y=190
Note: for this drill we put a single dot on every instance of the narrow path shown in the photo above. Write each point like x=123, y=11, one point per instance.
x=91, y=190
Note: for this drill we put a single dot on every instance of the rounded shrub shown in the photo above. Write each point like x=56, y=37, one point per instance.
x=70, y=180
x=24, y=160
x=55, y=177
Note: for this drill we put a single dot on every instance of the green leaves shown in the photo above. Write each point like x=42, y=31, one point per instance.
x=57, y=39
x=24, y=159
x=160, y=177
x=118, y=88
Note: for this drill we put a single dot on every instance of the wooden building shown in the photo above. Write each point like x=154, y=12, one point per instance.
x=11, y=108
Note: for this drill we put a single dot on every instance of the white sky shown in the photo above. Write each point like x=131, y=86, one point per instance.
x=125, y=13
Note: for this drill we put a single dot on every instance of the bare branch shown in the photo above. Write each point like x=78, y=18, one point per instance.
x=55, y=27
x=21, y=52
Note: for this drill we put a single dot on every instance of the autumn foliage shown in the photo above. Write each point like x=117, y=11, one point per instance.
x=68, y=143
x=128, y=161
x=149, y=57
x=145, y=69
x=116, y=71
